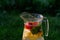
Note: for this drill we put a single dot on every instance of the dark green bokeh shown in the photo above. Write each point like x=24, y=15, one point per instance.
x=11, y=25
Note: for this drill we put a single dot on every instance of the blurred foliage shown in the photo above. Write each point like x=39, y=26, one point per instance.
x=11, y=25
x=38, y=6
x=43, y=3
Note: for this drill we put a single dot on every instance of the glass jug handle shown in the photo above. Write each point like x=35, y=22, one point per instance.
x=47, y=25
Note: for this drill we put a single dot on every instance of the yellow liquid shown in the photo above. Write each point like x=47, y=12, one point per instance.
x=31, y=36
x=28, y=34
x=35, y=36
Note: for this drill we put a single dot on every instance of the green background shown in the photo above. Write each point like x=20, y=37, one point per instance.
x=11, y=25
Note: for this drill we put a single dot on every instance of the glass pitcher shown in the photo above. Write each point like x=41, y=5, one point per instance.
x=35, y=24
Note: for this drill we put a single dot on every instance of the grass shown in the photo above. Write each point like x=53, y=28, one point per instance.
x=11, y=26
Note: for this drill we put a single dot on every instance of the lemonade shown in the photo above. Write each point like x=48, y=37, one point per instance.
x=35, y=30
